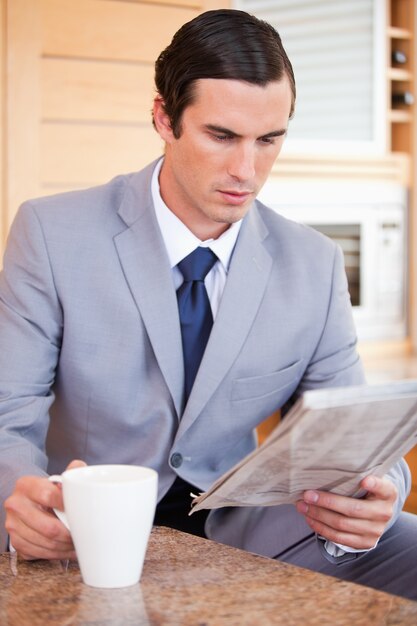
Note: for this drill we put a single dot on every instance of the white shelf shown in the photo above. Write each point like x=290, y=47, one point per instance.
x=400, y=74
x=399, y=33
x=399, y=116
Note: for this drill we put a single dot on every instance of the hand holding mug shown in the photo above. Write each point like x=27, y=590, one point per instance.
x=34, y=531
x=109, y=510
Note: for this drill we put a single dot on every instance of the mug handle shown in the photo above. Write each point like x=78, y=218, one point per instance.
x=56, y=478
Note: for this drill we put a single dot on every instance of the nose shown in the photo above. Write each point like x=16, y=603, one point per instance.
x=241, y=164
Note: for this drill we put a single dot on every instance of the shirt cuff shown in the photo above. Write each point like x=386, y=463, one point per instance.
x=338, y=549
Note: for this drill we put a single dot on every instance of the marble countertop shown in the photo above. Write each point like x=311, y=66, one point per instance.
x=188, y=581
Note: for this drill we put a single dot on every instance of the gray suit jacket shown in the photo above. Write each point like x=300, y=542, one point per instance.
x=90, y=345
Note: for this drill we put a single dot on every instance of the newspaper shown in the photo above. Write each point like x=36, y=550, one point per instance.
x=329, y=440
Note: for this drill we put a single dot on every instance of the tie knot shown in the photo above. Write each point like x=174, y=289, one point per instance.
x=197, y=265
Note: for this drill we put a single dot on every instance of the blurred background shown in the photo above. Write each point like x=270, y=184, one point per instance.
x=75, y=102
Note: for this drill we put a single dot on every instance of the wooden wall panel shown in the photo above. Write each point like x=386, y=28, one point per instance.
x=76, y=155
x=126, y=31
x=178, y=3
x=96, y=77
x=91, y=90
x=22, y=103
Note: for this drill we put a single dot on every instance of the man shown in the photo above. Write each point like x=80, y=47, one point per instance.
x=99, y=309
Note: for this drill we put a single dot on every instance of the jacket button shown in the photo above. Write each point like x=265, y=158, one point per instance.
x=176, y=459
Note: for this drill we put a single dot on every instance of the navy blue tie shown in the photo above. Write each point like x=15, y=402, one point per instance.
x=194, y=310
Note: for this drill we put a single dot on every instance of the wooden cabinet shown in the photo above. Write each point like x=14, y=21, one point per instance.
x=400, y=74
x=411, y=504
x=401, y=117
x=401, y=120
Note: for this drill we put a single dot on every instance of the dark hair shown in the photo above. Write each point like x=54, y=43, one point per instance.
x=223, y=43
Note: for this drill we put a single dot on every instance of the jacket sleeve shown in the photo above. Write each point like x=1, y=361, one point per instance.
x=30, y=337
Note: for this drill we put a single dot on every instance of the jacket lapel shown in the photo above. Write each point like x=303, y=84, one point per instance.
x=147, y=271
x=245, y=286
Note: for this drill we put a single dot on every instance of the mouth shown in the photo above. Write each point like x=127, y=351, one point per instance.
x=235, y=197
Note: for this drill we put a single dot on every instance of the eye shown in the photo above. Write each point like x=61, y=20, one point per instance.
x=267, y=140
x=221, y=137
x=271, y=139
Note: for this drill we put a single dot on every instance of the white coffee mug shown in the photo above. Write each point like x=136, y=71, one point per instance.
x=109, y=510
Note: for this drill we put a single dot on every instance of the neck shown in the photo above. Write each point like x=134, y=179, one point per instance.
x=203, y=232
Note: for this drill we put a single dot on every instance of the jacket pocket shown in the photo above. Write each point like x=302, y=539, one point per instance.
x=262, y=386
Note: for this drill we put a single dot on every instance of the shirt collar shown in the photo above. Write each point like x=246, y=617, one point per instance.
x=179, y=240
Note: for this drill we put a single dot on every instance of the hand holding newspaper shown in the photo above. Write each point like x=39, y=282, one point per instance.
x=329, y=440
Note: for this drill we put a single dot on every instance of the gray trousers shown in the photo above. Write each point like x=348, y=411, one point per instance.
x=390, y=567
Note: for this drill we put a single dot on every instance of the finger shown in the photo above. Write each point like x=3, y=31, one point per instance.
x=355, y=508
x=76, y=463
x=341, y=523
x=24, y=514
x=39, y=491
x=43, y=496
x=40, y=528
x=44, y=537
x=32, y=551
x=42, y=549
x=353, y=540
x=379, y=488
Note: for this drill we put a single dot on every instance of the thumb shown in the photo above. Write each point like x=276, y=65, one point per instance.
x=76, y=463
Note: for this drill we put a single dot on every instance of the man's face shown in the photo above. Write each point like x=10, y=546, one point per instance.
x=230, y=137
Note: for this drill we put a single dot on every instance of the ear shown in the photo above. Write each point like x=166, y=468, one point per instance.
x=161, y=120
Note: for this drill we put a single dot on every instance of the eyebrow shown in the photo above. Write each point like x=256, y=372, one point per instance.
x=231, y=133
